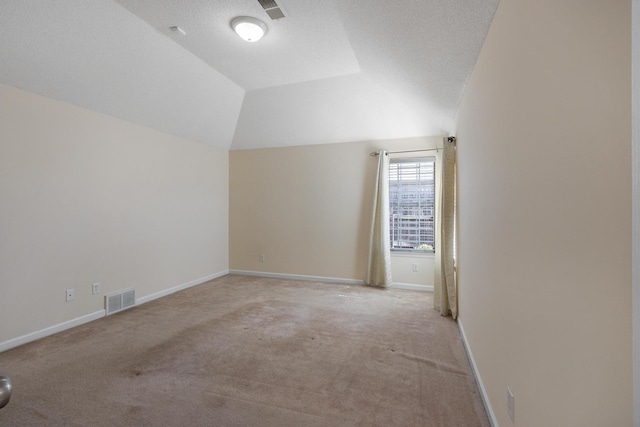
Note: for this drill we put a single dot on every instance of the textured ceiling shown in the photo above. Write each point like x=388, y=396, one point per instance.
x=309, y=44
x=330, y=71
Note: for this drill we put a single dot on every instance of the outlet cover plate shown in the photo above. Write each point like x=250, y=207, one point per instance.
x=95, y=289
x=71, y=294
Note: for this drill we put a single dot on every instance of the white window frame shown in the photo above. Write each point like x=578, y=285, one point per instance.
x=425, y=210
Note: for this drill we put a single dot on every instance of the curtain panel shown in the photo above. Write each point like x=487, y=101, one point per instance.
x=445, y=292
x=379, y=266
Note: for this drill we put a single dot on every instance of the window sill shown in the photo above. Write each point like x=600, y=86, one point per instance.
x=411, y=254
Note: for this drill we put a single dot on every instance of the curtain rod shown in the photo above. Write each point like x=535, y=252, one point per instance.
x=451, y=139
x=377, y=153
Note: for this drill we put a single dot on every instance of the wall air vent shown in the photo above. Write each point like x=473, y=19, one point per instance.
x=272, y=9
x=119, y=301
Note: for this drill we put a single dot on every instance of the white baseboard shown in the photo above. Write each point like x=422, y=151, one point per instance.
x=409, y=286
x=24, y=339
x=297, y=277
x=177, y=288
x=412, y=287
x=15, y=342
x=476, y=373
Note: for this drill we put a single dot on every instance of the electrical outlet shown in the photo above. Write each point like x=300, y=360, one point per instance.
x=95, y=289
x=414, y=266
x=262, y=257
x=510, y=404
x=71, y=294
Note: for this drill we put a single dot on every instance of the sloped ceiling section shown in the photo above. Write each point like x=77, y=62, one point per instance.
x=348, y=108
x=96, y=54
x=330, y=71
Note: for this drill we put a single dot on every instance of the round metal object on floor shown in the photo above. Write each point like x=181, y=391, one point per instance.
x=5, y=391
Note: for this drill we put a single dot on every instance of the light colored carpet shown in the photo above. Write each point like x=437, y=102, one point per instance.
x=248, y=351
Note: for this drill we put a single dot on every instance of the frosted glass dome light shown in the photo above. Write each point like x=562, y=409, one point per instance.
x=249, y=29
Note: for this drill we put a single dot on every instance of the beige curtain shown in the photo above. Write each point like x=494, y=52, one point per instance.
x=379, y=268
x=445, y=296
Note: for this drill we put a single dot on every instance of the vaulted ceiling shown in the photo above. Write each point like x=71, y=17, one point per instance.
x=329, y=71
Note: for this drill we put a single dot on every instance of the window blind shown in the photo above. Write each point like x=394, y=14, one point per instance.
x=412, y=203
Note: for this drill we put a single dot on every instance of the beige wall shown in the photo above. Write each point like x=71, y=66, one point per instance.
x=635, y=26
x=308, y=209
x=89, y=198
x=402, y=268
x=544, y=245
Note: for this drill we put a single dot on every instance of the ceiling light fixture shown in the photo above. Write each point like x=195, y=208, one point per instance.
x=249, y=29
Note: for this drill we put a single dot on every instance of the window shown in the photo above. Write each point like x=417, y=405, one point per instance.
x=412, y=203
